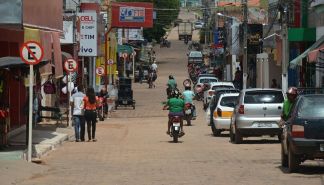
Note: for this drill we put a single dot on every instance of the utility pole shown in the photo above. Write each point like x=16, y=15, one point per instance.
x=285, y=49
x=245, y=22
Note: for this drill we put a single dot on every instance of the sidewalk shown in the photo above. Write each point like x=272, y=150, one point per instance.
x=46, y=137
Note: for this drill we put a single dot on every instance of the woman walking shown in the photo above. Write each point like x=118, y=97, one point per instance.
x=90, y=113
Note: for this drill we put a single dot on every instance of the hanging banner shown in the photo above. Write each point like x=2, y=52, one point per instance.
x=88, y=34
x=254, y=44
x=132, y=15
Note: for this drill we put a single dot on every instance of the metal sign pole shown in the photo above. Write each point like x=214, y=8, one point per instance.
x=70, y=107
x=30, y=121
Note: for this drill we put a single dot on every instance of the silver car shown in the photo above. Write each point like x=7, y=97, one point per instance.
x=257, y=112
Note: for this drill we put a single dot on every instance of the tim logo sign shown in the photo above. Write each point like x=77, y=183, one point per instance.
x=132, y=15
x=88, y=34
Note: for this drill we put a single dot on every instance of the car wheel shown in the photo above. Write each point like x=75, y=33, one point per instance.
x=284, y=157
x=215, y=131
x=237, y=137
x=231, y=135
x=293, y=162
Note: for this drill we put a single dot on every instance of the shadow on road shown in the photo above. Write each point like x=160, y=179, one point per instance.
x=306, y=170
x=262, y=141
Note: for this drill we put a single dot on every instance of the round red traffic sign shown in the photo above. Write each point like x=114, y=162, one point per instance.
x=31, y=52
x=70, y=65
x=125, y=55
x=110, y=62
x=100, y=71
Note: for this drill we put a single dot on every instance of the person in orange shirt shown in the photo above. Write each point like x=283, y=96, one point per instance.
x=90, y=113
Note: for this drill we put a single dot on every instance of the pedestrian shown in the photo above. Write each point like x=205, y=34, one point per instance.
x=128, y=68
x=90, y=113
x=77, y=104
x=238, y=78
x=274, y=83
x=113, y=96
x=154, y=66
x=140, y=73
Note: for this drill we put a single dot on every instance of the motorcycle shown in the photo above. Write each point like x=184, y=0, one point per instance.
x=175, y=128
x=199, y=93
x=101, y=108
x=165, y=43
x=188, y=113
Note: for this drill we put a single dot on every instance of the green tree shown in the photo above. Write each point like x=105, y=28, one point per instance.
x=166, y=12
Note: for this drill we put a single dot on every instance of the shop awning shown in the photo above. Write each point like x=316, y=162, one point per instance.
x=10, y=61
x=298, y=60
x=314, y=55
x=125, y=49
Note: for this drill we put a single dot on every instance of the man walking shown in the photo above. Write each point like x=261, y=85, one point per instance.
x=77, y=104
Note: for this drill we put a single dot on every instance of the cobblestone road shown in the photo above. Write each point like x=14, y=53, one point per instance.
x=133, y=149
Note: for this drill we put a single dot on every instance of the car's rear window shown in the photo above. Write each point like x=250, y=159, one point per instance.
x=228, y=101
x=311, y=107
x=256, y=97
x=208, y=80
x=222, y=86
x=195, y=54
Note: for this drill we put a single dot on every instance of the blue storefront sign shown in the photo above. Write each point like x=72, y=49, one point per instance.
x=132, y=14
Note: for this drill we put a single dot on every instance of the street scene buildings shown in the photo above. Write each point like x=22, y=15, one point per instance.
x=253, y=69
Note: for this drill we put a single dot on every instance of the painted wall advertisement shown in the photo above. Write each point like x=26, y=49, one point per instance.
x=88, y=34
x=132, y=15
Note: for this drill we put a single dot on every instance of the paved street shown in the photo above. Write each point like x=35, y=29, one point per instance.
x=133, y=149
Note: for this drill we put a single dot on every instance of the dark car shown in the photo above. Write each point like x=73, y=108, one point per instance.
x=303, y=133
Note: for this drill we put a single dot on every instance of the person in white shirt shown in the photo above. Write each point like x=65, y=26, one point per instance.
x=154, y=66
x=77, y=104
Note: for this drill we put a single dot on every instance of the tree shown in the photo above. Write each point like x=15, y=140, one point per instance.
x=166, y=12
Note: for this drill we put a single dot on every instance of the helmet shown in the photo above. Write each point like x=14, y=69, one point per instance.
x=292, y=91
x=174, y=93
x=171, y=77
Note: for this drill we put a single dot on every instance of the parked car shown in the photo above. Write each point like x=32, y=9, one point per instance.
x=204, y=80
x=198, y=25
x=223, y=113
x=303, y=133
x=195, y=57
x=213, y=102
x=210, y=90
x=257, y=113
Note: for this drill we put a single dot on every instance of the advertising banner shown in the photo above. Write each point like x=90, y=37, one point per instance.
x=132, y=15
x=255, y=33
x=67, y=32
x=88, y=34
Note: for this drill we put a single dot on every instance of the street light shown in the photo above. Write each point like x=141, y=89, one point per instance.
x=229, y=17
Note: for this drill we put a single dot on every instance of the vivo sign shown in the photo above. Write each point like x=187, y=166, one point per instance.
x=88, y=34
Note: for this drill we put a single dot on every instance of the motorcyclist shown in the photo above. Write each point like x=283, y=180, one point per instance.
x=289, y=102
x=176, y=106
x=104, y=95
x=188, y=96
x=172, y=84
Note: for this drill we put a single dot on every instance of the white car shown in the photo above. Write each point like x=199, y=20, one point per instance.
x=199, y=25
x=223, y=113
x=204, y=80
x=208, y=94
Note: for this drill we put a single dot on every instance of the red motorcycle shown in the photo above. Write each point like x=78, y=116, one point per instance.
x=188, y=113
x=102, y=103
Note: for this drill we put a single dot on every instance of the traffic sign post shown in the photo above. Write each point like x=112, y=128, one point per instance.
x=70, y=65
x=100, y=71
x=31, y=53
x=110, y=63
